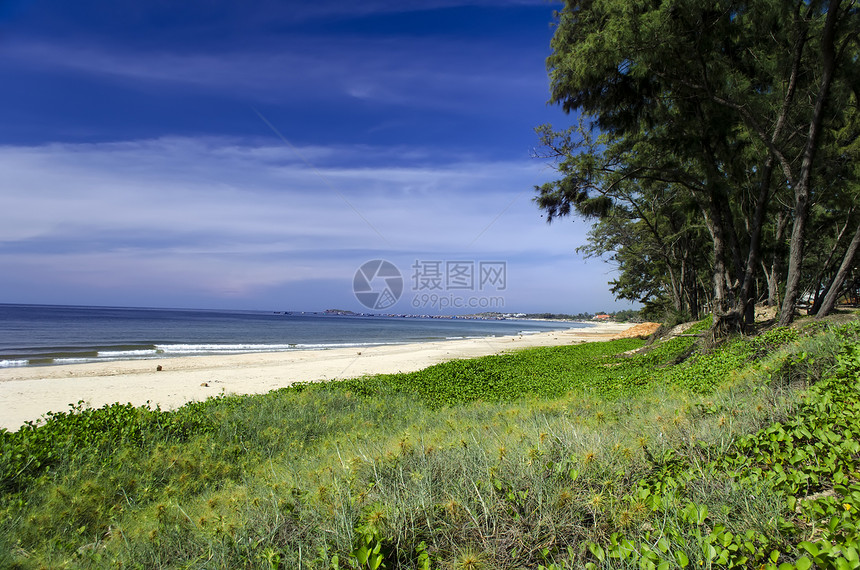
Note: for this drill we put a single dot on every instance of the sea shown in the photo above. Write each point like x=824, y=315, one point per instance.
x=44, y=335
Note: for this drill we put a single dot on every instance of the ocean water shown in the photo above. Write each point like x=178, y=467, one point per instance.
x=39, y=335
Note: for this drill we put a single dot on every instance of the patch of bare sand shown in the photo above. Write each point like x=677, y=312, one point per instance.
x=642, y=330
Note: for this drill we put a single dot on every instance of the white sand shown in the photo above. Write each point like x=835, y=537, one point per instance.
x=28, y=393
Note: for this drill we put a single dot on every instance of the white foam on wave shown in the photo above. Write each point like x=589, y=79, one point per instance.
x=468, y=337
x=79, y=360
x=127, y=353
x=13, y=363
x=216, y=348
x=342, y=345
x=189, y=349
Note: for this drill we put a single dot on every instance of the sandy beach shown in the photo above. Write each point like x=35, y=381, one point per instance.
x=28, y=393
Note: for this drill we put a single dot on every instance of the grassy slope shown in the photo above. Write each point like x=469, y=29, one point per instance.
x=556, y=457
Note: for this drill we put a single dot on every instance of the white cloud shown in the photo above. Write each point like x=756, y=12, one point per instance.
x=185, y=187
x=231, y=220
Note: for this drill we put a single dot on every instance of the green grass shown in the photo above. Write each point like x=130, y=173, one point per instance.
x=564, y=457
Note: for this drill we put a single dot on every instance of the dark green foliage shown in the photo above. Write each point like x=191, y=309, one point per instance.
x=35, y=449
x=809, y=464
x=547, y=372
x=704, y=128
x=703, y=371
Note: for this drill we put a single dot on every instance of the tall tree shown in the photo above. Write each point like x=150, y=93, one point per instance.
x=711, y=97
x=837, y=39
x=844, y=174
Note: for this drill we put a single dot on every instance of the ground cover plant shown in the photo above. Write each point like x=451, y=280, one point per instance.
x=602, y=455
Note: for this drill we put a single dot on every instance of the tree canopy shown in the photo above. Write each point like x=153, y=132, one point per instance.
x=711, y=138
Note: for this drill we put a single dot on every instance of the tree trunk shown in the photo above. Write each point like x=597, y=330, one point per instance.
x=802, y=187
x=773, y=287
x=746, y=300
x=774, y=278
x=691, y=293
x=771, y=292
x=727, y=319
x=833, y=293
x=819, y=292
x=677, y=302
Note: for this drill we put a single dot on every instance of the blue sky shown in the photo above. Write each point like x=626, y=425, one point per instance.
x=254, y=155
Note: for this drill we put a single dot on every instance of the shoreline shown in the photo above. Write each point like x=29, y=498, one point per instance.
x=27, y=393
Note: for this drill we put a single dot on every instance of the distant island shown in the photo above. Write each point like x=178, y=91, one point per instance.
x=342, y=312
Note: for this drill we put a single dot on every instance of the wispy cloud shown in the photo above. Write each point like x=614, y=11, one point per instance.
x=335, y=9
x=229, y=217
x=189, y=187
x=413, y=72
x=197, y=199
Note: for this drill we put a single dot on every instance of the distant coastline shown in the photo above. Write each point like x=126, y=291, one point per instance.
x=43, y=335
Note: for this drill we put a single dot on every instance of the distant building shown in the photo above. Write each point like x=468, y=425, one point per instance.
x=601, y=317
